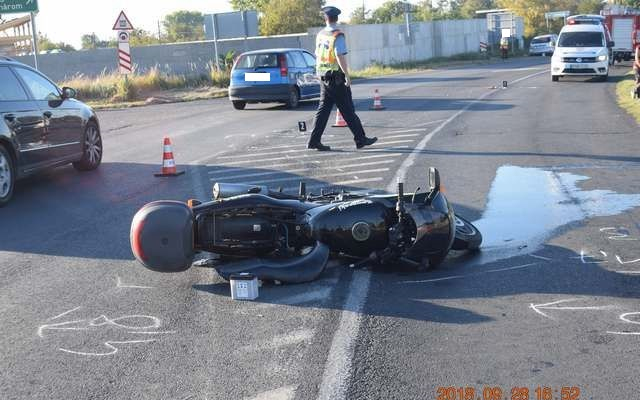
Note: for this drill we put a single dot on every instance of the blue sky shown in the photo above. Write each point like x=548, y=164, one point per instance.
x=67, y=20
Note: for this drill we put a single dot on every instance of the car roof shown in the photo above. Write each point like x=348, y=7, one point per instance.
x=543, y=36
x=582, y=28
x=586, y=17
x=278, y=50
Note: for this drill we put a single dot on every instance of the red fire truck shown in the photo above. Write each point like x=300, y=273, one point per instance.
x=624, y=24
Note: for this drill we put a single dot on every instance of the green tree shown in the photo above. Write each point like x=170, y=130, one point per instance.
x=184, y=26
x=140, y=37
x=468, y=8
x=92, y=41
x=359, y=16
x=589, y=6
x=246, y=5
x=424, y=11
x=291, y=16
x=46, y=44
x=391, y=11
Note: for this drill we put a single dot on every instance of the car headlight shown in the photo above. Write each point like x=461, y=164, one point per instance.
x=602, y=58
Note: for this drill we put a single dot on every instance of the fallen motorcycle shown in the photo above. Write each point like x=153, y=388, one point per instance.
x=289, y=238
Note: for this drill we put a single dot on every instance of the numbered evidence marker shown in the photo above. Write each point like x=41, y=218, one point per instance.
x=302, y=126
x=504, y=84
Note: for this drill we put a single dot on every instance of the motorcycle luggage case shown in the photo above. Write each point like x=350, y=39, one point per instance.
x=162, y=236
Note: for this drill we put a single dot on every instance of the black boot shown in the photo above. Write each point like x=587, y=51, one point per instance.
x=366, y=142
x=318, y=146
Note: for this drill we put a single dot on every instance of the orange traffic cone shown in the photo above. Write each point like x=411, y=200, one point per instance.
x=377, y=101
x=168, y=164
x=340, y=122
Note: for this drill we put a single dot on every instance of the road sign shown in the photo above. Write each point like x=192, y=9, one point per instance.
x=18, y=6
x=483, y=46
x=122, y=23
x=123, y=37
x=125, y=63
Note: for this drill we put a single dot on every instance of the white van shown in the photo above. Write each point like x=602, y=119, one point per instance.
x=582, y=50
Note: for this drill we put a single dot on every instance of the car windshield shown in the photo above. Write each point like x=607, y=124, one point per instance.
x=546, y=39
x=269, y=60
x=580, y=39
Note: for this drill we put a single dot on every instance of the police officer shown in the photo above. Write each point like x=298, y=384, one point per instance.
x=332, y=70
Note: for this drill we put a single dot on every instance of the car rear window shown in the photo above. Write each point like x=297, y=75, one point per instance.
x=263, y=60
x=580, y=39
x=10, y=90
x=541, y=40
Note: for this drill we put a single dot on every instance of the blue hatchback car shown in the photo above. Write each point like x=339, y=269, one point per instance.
x=273, y=75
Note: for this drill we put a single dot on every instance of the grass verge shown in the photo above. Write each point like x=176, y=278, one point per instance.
x=624, y=90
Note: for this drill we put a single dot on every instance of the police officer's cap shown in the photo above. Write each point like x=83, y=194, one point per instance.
x=331, y=11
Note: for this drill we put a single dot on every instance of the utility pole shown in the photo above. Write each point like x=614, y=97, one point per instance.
x=159, y=36
x=34, y=40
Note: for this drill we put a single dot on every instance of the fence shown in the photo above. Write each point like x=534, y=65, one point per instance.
x=383, y=43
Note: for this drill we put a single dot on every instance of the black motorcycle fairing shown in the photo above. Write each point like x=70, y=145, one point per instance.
x=162, y=236
x=356, y=227
x=435, y=227
x=294, y=270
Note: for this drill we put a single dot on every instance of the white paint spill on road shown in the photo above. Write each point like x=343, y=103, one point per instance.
x=554, y=199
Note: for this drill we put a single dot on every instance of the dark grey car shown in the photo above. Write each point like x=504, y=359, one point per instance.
x=41, y=127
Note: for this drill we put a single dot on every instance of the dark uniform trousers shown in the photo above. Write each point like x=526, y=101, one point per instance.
x=334, y=91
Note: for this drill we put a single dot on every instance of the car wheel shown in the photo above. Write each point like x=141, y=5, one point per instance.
x=555, y=78
x=91, y=149
x=294, y=98
x=7, y=176
x=239, y=105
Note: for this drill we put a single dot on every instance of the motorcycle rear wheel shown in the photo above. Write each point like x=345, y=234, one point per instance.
x=468, y=237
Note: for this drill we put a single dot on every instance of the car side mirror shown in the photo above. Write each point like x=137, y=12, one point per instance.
x=68, y=93
x=434, y=180
x=611, y=44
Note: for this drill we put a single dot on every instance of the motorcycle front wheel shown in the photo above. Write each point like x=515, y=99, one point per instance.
x=468, y=237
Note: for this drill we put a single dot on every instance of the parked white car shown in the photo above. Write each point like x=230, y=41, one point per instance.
x=582, y=50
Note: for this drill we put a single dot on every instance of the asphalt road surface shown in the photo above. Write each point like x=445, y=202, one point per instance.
x=549, y=172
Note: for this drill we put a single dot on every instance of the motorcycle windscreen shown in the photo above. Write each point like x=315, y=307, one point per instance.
x=162, y=236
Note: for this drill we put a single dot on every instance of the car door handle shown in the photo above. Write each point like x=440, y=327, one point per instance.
x=47, y=114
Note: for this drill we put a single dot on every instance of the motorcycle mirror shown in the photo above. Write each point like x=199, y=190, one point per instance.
x=302, y=191
x=434, y=180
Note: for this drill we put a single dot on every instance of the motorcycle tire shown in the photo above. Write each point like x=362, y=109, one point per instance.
x=468, y=237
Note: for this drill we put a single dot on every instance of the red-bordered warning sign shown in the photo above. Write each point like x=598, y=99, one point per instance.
x=122, y=23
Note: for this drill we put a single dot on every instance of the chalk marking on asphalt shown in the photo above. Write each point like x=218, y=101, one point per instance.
x=61, y=327
x=293, y=151
x=583, y=257
x=337, y=370
x=109, y=344
x=297, y=178
x=304, y=157
x=410, y=130
x=120, y=285
x=624, y=317
x=296, y=170
x=624, y=333
x=540, y=257
x=283, y=393
x=489, y=271
x=551, y=306
x=152, y=333
x=626, y=262
x=64, y=313
x=616, y=235
x=628, y=272
x=604, y=253
x=291, y=338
